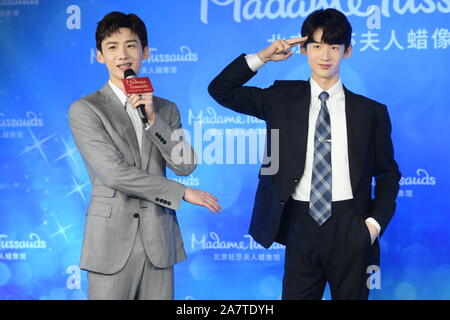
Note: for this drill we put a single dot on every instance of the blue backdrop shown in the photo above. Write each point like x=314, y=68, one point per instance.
x=47, y=57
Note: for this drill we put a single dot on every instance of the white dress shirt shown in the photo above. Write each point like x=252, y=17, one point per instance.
x=132, y=113
x=340, y=174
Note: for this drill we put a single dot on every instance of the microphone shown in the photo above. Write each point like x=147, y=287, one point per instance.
x=129, y=74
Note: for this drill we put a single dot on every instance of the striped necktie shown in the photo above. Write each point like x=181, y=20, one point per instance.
x=320, y=198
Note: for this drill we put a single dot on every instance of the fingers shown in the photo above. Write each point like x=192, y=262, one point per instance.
x=203, y=199
x=282, y=54
x=135, y=100
x=289, y=43
x=210, y=196
x=138, y=99
x=296, y=41
x=281, y=46
x=212, y=208
x=210, y=202
x=282, y=49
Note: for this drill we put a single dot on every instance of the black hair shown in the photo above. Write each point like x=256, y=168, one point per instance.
x=335, y=25
x=111, y=23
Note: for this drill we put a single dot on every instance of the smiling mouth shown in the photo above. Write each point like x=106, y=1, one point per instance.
x=124, y=66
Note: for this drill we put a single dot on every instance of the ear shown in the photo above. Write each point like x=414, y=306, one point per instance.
x=100, y=57
x=348, y=52
x=146, y=53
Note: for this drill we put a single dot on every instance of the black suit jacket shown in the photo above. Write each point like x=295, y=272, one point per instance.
x=285, y=106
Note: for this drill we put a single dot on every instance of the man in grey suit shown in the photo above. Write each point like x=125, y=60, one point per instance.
x=132, y=238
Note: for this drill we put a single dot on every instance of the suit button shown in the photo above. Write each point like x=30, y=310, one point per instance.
x=166, y=202
x=282, y=203
x=157, y=199
x=169, y=203
x=164, y=142
x=136, y=215
x=295, y=180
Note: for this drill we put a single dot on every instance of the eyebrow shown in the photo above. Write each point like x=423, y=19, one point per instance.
x=334, y=44
x=116, y=42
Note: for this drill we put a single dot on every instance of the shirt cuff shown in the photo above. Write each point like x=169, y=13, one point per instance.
x=254, y=62
x=149, y=124
x=375, y=223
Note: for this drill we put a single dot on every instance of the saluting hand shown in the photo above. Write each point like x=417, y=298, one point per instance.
x=280, y=49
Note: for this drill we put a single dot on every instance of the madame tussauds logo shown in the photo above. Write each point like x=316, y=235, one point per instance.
x=213, y=242
x=33, y=242
x=185, y=55
x=31, y=120
x=275, y=9
x=422, y=178
x=211, y=117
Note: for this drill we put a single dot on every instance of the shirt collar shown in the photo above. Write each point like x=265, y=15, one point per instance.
x=334, y=91
x=119, y=93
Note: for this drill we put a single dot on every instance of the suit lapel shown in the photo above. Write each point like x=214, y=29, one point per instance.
x=119, y=117
x=358, y=134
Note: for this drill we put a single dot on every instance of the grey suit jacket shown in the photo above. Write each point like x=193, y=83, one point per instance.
x=128, y=189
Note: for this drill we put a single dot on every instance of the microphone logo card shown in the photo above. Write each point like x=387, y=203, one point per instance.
x=137, y=85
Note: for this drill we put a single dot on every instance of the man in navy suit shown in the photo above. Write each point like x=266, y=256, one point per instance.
x=332, y=143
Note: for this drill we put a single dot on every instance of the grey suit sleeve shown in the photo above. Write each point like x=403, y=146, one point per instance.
x=109, y=165
x=169, y=139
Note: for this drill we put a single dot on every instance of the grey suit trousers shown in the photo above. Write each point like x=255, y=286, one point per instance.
x=138, y=280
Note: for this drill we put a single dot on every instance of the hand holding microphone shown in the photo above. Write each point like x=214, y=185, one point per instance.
x=139, y=91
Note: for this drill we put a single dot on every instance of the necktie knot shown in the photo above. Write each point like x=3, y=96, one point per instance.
x=323, y=96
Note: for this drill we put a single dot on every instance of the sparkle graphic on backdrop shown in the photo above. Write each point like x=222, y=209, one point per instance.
x=69, y=153
x=38, y=145
x=78, y=188
x=61, y=230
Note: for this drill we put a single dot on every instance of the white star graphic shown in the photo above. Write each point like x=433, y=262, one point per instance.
x=37, y=144
x=69, y=153
x=78, y=188
x=61, y=230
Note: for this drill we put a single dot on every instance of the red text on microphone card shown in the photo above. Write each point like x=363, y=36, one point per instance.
x=137, y=85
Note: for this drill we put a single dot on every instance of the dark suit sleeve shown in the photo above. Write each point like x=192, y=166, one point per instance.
x=386, y=172
x=228, y=90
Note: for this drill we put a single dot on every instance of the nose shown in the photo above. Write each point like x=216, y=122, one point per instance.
x=123, y=53
x=325, y=53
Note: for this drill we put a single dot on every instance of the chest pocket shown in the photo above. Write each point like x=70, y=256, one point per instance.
x=100, y=209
